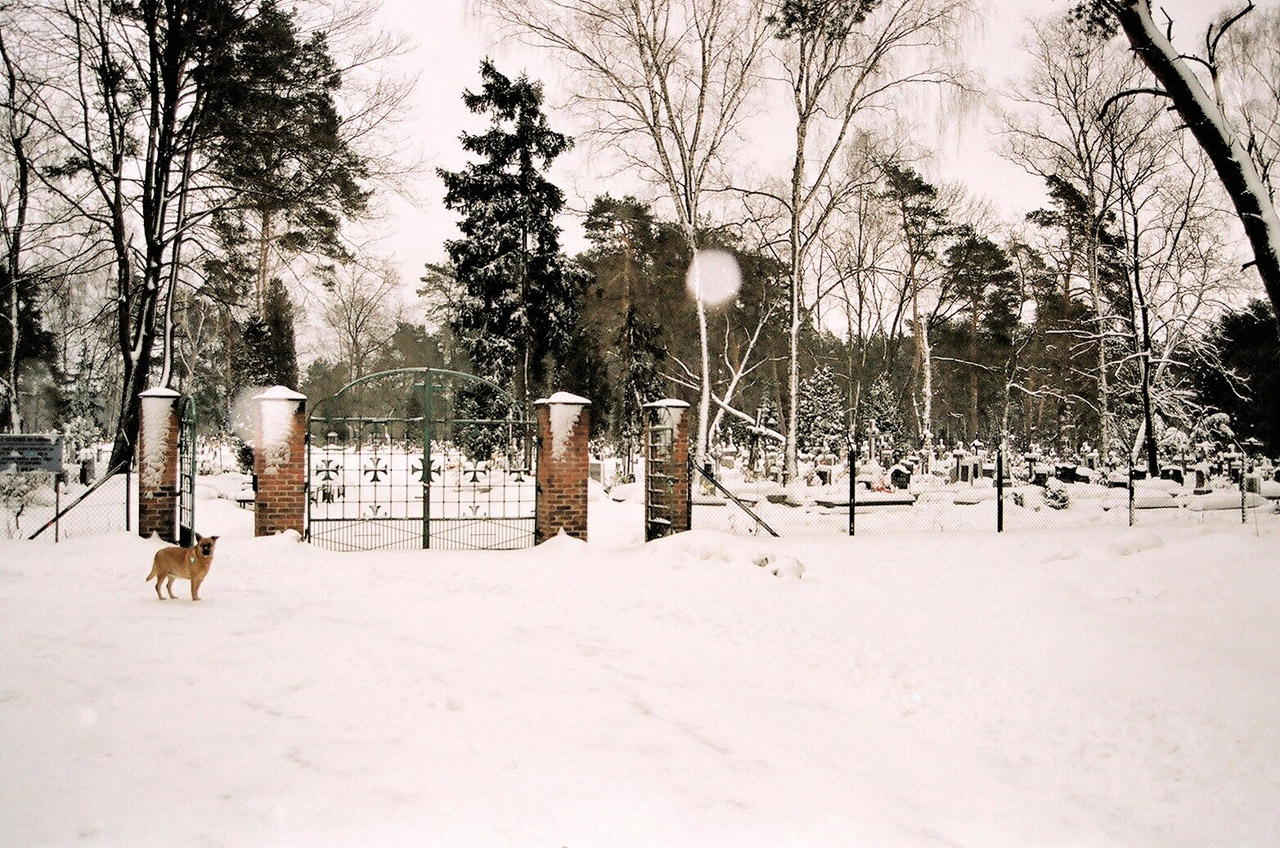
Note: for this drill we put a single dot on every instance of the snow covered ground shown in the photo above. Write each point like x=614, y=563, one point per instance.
x=1041, y=688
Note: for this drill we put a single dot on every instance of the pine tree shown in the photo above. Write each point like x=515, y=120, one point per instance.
x=282, y=146
x=983, y=277
x=821, y=413
x=624, y=306
x=517, y=297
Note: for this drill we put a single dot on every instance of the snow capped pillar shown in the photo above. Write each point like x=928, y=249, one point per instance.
x=564, y=420
x=666, y=468
x=280, y=461
x=158, y=465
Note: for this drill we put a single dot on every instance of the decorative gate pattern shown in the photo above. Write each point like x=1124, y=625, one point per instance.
x=420, y=458
x=187, y=472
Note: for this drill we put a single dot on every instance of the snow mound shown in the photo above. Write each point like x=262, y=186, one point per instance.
x=1137, y=542
x=781, y=566
x=627, y=492
x=707, y=546
x=562, y=542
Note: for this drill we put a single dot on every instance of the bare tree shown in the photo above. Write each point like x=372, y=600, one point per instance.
x=841, y=61
x=362, y=310
x=1204, y=114
x=15, y=200
x=1058, y=133
x=130, y=110
x=666, y=82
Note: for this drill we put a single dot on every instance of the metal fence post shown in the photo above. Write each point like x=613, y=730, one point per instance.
x=999, y=490
x=128, y=485
x=1244, y=511
x=1132, y=509
x=853, y=488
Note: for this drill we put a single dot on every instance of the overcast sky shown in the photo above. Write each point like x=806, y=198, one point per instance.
x=446, y=45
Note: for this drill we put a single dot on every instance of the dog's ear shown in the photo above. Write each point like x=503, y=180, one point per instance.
x=199, y=538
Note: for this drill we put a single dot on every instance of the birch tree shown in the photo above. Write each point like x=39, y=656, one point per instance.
x=842, y=60
x=666, y=83
x=16, y=187
x=1059, y=133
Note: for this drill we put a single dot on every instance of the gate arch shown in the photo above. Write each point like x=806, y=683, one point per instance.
x=420, y=458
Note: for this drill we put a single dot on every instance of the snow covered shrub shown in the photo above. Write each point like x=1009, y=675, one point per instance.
x=1055, y=496
x=244, y=455
x=17, y=492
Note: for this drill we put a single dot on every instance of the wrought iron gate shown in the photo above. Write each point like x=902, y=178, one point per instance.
x=420, y=458
x=187, y=472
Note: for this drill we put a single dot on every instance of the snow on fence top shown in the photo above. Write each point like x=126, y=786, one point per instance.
x=157, y=411
x=672, y=409
x=565, y=410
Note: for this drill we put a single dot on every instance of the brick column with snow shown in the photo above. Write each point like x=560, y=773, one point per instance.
x=564, y=421
x=666, y=499
x=158, y=465
x=280, y=461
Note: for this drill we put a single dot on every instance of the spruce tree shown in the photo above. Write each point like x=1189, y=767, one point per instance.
x=883, y=409
x=517, y=295
x=821, y=413
x=269, y=353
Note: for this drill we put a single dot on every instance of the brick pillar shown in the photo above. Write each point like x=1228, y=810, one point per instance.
x=666, y=468
x=158, y=465
x=280, y=461
x=564, y=421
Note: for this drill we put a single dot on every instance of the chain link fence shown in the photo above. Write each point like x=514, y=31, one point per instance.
x=53, y=507
x=853, y=495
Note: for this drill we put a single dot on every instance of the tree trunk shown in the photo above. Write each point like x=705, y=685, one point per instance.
x=1239, y=174
x=973, y=372
x=1095, y=295
x=11, y=414
x=264, y=261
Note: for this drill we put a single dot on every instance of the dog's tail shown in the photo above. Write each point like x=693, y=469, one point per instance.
x=155, y=572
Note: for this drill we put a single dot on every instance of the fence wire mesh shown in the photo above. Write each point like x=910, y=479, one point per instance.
x=855, y=496
x=40, y=506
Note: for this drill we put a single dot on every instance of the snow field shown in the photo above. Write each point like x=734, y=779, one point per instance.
x=1055, y=688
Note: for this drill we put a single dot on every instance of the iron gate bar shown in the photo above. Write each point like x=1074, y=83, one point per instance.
x=187, y=474
x=486, y=495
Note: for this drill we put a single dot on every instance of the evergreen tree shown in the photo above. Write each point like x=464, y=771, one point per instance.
x=1242, y=377
x=269, y=354
x=821, y=412
x=883, y=409
x=624, y=306
x=517, y=295
x=282, y=147
x=983, y=278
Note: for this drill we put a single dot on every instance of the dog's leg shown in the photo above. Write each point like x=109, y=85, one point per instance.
x=159, y=580
x=169, y=586
x=195, y=588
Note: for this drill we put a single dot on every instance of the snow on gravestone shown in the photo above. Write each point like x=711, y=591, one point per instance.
x=157, y=412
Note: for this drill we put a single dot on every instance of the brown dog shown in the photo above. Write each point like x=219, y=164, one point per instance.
x=189, y=563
